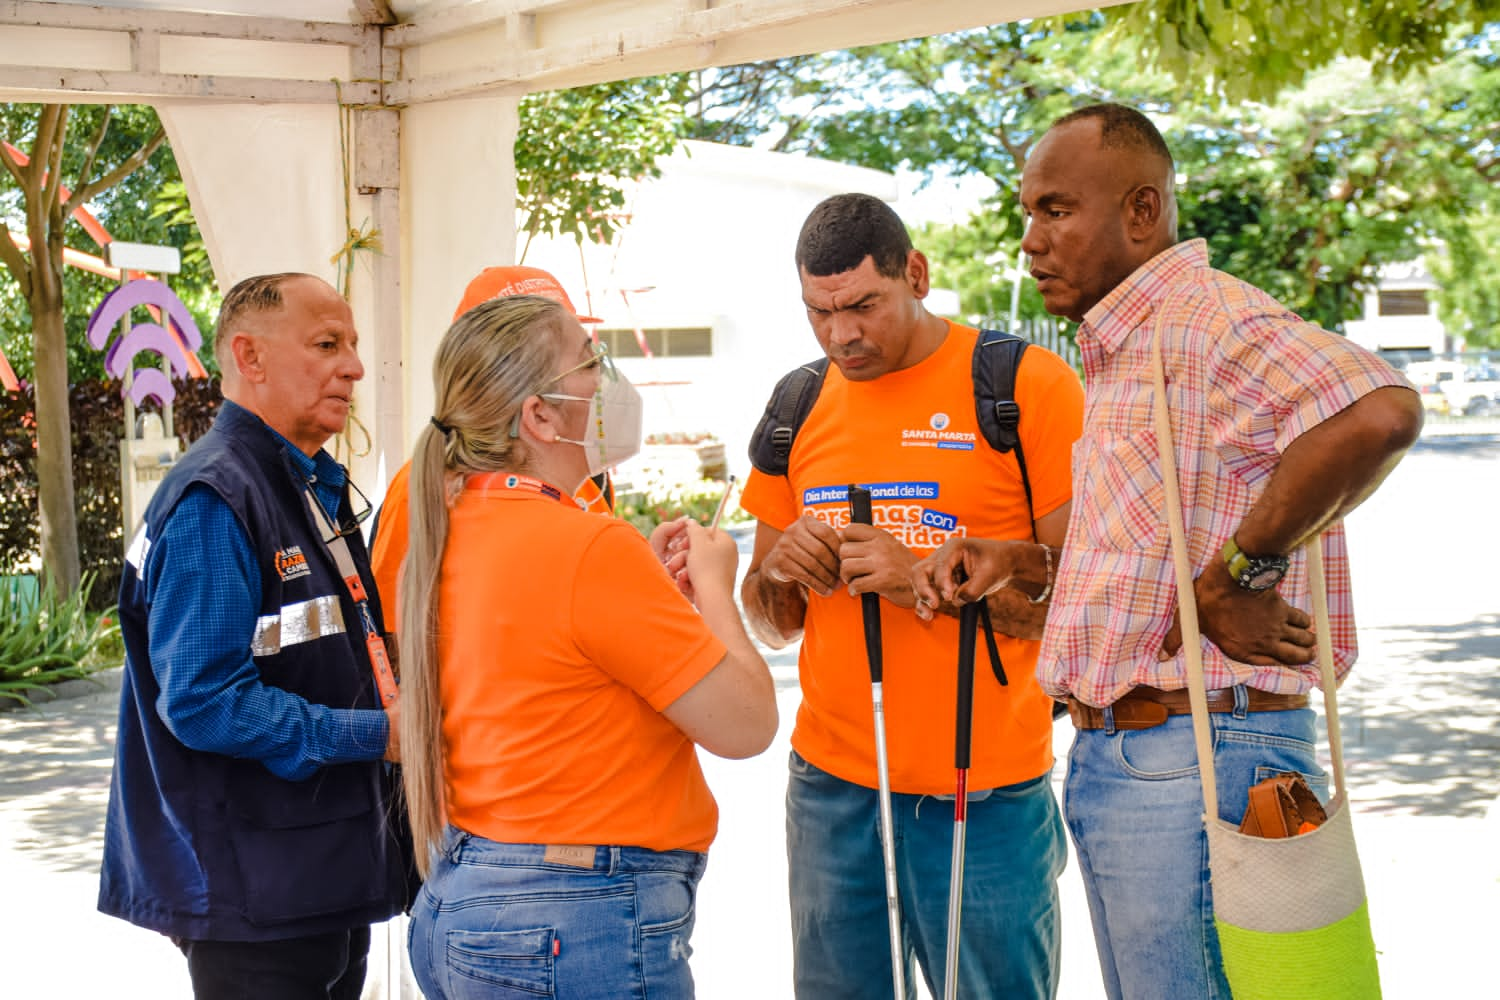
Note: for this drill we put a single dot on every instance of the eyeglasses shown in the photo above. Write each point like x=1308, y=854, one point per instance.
x=599, y=359
x=332, y=527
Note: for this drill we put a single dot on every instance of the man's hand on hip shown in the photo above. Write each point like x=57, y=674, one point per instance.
x=1249, y=626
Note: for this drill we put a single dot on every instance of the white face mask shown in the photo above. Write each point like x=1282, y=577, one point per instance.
x=617, y=423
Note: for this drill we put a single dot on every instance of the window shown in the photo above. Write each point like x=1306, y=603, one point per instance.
x=664, y=342
x=1403, y=302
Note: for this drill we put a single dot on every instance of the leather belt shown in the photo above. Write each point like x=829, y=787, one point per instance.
x=1144, y=707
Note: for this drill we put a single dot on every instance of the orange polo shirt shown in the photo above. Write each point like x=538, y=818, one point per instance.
x=389, y=548
x=560, y=640
x=912, y=437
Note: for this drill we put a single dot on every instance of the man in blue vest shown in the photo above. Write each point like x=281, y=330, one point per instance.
x=250, y=814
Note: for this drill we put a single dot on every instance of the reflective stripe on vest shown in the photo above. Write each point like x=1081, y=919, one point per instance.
x=300, y=622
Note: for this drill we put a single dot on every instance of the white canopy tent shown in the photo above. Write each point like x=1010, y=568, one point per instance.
x=284, y=112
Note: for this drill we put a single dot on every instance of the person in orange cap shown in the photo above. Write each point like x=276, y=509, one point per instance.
x=557, y=684
x=596, y=495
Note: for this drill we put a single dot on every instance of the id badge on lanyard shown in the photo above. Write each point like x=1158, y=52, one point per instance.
x=338, y=547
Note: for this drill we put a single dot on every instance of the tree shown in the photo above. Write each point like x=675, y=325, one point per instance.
x=576, y=149
x=1306, y=197
x=772, y=103
x=1254, y=48
x=1469, y=304
x=48, y=203
x=149, y=206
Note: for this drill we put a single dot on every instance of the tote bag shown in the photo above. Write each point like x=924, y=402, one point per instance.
x=1291, y=914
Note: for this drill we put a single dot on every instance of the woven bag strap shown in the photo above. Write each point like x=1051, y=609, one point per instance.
x=1192, y=636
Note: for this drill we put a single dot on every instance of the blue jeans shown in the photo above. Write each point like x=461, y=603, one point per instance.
x=1134, y=806
x=1009, y=934
x=500, y=920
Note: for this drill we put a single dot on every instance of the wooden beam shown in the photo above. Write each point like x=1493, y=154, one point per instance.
x=98, y=86
x=145, y=52
x=671, y=35
x=375, y=12
x=679, y=28
x=458, y=20
x=32, y=13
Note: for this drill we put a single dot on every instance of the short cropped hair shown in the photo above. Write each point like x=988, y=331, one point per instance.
x=261, y=293
x=845, y=229
x=1121, y=127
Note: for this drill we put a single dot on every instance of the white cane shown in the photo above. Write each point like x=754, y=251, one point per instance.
x=860, y=513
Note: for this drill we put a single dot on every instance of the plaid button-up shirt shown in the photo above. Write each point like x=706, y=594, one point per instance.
x=1245, y=377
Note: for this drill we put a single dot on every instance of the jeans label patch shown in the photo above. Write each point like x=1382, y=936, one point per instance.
x=572, y=855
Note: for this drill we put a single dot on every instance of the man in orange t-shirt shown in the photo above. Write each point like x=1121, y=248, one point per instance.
x=388, y=538
x=896, y=413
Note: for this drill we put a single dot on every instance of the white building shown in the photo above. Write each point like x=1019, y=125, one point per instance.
x=703, y=269
x=1401, y=315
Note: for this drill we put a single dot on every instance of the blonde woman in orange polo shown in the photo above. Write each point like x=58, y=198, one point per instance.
x=555, y=681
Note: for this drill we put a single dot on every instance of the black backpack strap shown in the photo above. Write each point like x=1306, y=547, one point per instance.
x=996, y=357
x=791, y=402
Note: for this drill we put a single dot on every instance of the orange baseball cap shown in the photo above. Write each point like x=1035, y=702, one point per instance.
x=498, y=282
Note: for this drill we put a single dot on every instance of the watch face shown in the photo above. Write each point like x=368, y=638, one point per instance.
x=1264, y=579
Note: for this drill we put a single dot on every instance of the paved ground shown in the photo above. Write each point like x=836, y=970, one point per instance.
x=1422, y=721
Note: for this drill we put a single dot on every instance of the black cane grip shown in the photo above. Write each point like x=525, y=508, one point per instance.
x=968, y=631
x=859, y=505
x=860, y=513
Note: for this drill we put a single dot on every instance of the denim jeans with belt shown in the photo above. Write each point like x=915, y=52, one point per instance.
x=1134, y=806
x=525, y=920
x=1009, y=934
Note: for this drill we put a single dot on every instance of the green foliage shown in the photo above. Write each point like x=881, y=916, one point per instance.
x=660, y=502
x=1251, y=49
x=1469, y=301
x=576, y=150
x=966, y=104
x=47, y=637
x=777, y=99
x=98, y=416
x=1308, y=198
x=149, y=206
x=1354, y=167
x=977, y=260
x=18, y=511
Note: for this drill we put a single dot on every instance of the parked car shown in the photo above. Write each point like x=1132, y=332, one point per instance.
x=1480, y=398
x=1430, y=378
x=1456, y=388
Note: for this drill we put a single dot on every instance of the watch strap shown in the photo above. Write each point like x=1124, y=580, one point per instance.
x=1235, y=560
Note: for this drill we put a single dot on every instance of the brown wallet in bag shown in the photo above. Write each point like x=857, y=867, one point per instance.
x=1282, y=806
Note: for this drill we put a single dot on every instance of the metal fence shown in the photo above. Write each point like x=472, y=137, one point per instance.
x=1044, y=331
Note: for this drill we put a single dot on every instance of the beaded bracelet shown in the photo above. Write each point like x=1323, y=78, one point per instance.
x=1047, y=590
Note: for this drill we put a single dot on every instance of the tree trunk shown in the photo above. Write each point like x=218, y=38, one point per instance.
x=54, y=434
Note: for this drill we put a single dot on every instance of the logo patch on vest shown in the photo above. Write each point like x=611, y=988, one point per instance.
x=291, y=563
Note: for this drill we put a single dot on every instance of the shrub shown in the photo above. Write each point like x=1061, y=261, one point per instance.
x=46, y=637
x=658, y=502
x=98, y=416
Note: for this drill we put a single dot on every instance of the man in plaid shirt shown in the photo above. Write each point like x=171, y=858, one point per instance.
x=1281, y=429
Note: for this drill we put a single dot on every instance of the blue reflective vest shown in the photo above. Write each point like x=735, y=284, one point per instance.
x=207, y=847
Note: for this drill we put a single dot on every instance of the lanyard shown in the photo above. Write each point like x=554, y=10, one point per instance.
x=338, y=547
x=525, y=484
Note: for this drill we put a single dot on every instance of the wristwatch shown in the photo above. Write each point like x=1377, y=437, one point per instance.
x=1253, y=572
